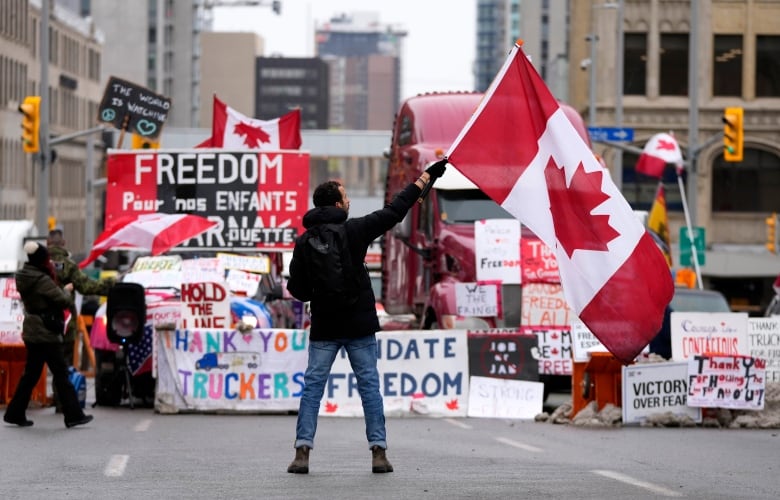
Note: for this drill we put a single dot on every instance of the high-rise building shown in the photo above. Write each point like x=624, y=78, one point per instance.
x=286, y=83
x=365, y=70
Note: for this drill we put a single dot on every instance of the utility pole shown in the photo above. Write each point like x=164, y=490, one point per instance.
x=617, y=165
x=44, y=188
x=693, y=107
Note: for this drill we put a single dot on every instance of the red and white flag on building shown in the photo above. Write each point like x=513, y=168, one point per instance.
x=233, y=130
x=522, y=151
x=659, y=150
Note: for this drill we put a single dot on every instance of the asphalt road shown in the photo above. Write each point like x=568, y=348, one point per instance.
x=137, y=453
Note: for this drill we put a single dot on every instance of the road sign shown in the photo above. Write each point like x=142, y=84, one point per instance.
x=686, y=255
x=617, y=134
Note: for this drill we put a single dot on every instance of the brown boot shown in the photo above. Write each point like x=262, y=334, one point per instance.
x=379, y=462
x=300, y=465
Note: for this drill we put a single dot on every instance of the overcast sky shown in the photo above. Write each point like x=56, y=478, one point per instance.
x=438, y=50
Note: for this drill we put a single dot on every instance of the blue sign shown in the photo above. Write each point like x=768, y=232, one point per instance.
x=615, y=134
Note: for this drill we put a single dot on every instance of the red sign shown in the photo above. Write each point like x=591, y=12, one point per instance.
x=257, y=197
x=538, y=262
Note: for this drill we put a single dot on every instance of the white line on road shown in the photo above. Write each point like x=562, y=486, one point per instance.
x=457, y=423
x=636, y=482
x=143, y=425
x=522, y=446
x=116, y=465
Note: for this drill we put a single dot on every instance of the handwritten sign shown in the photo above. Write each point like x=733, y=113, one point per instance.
x=250, y=263
x=11, y=333
x=726, y=382
x=131, y=107
x=476, y=299
x=543, y=304
x=202, y=270
x=538, y=262
x=204, y=305
x=653, y=388
x=497, y=250
x=11, y=309
x=583, y=341
x=243, y=282
x=554, y=349
x=227, y=370
x=764, y=343
x=708, y=333
x=502, y=398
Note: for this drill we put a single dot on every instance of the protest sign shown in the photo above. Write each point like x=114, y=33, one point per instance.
x=543, y=304
x=697, y=333
x=502, y=353
x=654, y=388
x=497, y=250
x=764, y=343
x=502, y=398
x=554, y=349
x=205, y=305
x=133, y=108
x=478, y=299
x=726, y=382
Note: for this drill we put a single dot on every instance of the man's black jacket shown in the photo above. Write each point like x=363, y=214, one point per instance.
x=359, y=319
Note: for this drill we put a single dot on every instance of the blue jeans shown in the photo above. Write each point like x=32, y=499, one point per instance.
x=362, y=354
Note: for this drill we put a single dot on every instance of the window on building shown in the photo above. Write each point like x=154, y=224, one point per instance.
x=674, y=64
x=768, y=66
x=727, y=65
x=635, y=64
x=749, y=186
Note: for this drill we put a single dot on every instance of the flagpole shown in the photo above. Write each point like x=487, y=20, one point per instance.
x=694, y=254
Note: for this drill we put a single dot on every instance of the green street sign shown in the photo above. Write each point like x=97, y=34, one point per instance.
x=686, y=255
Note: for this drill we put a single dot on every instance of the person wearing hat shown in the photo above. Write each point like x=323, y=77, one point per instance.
x=42, y=332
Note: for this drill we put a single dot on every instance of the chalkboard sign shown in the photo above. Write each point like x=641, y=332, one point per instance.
x=133, y=108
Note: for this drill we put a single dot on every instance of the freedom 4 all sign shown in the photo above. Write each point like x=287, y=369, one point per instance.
x=258, y=198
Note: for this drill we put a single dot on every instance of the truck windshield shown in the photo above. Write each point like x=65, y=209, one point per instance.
x=460, y=206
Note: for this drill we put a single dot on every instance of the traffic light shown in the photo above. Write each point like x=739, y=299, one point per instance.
x=733, y=134
x=140, y=142
x=126, y=308
x=771, y=233
x=276, y=6
x=31, y=123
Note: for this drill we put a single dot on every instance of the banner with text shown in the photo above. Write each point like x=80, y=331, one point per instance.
x=698, y=333
x=420, y=373
x=224, y=370
x=258, y=198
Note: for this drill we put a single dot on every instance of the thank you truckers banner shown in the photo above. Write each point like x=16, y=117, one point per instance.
x=257, y=198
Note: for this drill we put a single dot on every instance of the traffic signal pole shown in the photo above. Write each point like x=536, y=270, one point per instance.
x=44, y=157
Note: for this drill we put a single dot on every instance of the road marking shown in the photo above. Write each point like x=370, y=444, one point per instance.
x=636, y=482
x=116, y=465
x=143, y=425
x=517, y=444
x=457, y=423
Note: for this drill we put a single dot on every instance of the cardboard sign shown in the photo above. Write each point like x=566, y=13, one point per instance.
x=698, y=333
x=258, y=198
x=497, y=250
x=502, y=354
x=654, y=388
x=726, y=382
x=205, y=305
x=538, y=262
x=583, y=342
x=554, y=349
x=764, y=343
x=477, y=299
x=544, y=305
x=502, y=398
x=133, y=108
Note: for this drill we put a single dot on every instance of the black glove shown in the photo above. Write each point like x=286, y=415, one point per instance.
x=437, y=169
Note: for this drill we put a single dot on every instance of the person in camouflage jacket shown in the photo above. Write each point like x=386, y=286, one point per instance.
x=69, y=272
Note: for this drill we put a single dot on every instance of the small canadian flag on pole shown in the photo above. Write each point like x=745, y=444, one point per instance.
x=659, y=150
x=233, y=130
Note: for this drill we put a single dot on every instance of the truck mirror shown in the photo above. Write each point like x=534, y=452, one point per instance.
x=403, y=229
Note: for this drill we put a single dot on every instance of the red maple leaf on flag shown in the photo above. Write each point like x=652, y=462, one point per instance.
x=452, y=404
x=253, y=136
x=665, y=145
x=331, y=407
x=571, y=207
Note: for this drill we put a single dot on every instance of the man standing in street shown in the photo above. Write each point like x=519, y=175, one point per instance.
x=352, y=325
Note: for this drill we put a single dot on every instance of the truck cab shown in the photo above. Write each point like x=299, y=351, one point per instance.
x=424, y=256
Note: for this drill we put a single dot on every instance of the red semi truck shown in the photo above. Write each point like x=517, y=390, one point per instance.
x=434, y=247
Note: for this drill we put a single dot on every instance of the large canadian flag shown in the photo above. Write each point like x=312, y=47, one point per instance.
x=233, y=130
x=522, y=151
x=659, y=150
